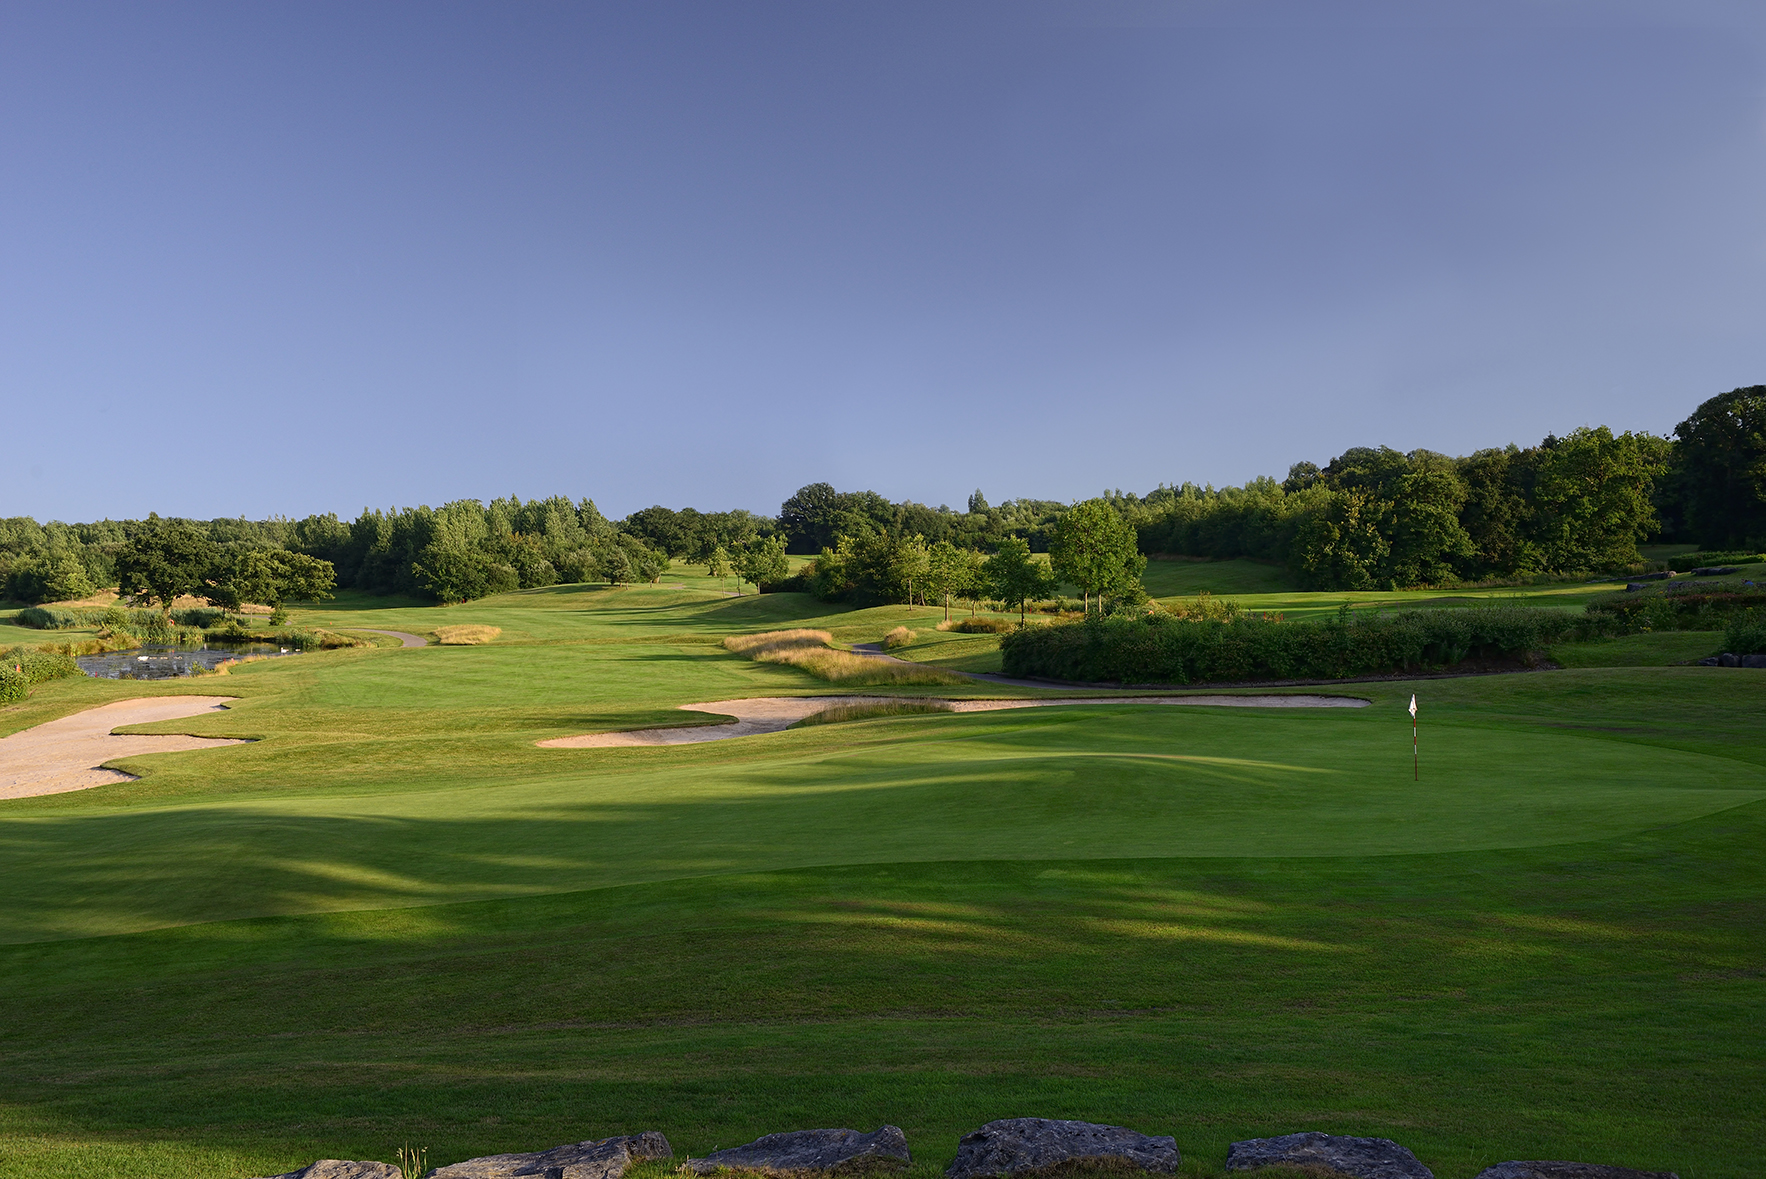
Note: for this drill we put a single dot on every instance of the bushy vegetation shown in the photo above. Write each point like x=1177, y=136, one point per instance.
x=20, y=667
x=1674, y=608
x=1161, y=648
x=1746, y=633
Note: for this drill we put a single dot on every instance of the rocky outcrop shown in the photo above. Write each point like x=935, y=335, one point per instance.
x=1027, y=1146
x=605, y=1158
x=342, y=1169
x=816, y=1152
x=1356, y=1158
x=1568, y=1171
x=1714, y=571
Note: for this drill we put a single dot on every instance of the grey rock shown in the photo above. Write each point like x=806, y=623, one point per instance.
x=826, y=1152
x=1728, y=660
x=1714, y=571
x=342, y=1169
x=1518, y=1170
x=1025, y=1146
x=1664, y=575
x=1358, y=1158
x=1753, y=660
x=1633, y=586
x=1709, y=661
x=603, y=1158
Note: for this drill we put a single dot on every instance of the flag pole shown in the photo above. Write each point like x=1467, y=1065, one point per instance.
x=1416, y=770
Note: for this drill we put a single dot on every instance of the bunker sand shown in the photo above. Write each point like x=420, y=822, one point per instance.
x=771, y=714
x=67, y=754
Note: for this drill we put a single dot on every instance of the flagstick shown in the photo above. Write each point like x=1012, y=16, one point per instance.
x=1416, y=766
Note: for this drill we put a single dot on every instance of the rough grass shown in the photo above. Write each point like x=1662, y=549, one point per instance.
x=901, y=636
x=980, y=626
x=808, y=651
x=841, y=713
x=465, y=635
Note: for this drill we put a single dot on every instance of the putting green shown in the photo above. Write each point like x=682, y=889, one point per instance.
x=1101, y=782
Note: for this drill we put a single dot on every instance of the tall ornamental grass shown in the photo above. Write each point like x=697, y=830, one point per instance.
x=465, y=635
x=1163, y=649
x=809, y=650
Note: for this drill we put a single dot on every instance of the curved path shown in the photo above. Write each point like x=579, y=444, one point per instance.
x=771, y=714
x=404, y=639
x=66, y=754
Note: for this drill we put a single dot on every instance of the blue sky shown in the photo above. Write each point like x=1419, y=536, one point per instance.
x=265, y=259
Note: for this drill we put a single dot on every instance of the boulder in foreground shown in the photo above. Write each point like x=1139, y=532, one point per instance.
x=1027, y=1146
x=343, y=1169
x=605, y=1158
x=1540, y=1170
x=1357, y=1158
x=825, y=1152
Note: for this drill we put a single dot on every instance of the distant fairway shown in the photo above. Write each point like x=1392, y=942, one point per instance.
x=393, y=918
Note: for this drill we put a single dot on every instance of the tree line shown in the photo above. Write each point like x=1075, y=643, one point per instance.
x=1375, y=517
x=1371, y=517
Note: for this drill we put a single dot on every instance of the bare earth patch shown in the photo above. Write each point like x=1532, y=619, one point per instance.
x=773, y=714
x=66, y=754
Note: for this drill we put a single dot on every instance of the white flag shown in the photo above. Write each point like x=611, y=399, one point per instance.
x=1413, y=708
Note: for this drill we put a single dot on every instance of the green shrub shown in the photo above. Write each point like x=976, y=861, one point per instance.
x=201, y=617
x=1160, y=648
x=1671, y=609
x=21, y=667
x=1746, y=634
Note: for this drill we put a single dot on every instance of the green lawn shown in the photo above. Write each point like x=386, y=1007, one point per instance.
x=1172, y=577
x=1655, y=649
x=394, y=919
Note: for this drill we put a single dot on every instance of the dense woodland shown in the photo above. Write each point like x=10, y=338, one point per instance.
x=1372, y=517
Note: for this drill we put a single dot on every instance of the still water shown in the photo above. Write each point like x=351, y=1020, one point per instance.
x=168, y=662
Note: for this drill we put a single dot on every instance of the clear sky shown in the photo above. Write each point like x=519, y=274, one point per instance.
x=286, y=258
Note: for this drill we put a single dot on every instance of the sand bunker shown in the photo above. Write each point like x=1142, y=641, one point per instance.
x=62, y=755
x=771, y=714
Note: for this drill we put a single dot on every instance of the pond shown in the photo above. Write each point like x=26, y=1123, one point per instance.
x=169, y=662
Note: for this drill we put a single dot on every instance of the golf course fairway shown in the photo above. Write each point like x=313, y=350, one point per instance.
x=391, y=918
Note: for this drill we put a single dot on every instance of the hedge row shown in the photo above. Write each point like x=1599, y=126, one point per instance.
x=1158, y=648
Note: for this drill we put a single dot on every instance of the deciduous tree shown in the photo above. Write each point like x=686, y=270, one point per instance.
x=1092, y=546
x=163, y=560
x=1015, y=577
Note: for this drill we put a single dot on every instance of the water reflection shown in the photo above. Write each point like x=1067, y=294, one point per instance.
x=168, y=662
